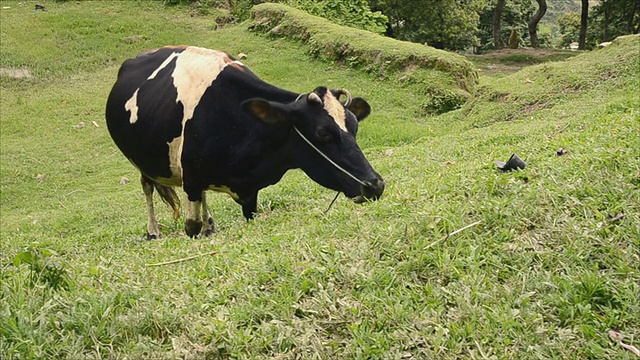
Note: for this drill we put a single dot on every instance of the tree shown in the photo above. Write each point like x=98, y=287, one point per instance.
x=449, y=25
x=497, y=24
x=533, y=23
x=612, y=18
x=515, y=15
x=584, y=18
x=569, y=27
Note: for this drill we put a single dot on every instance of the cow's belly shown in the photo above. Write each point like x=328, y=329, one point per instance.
x=172, y=181
x=177, y=181
x=224, y=189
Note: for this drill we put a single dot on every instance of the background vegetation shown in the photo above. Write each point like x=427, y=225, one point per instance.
x=549, y=264
x=444, y=79
x=462, y=25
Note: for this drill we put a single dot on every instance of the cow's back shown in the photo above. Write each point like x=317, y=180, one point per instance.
x=154, y=97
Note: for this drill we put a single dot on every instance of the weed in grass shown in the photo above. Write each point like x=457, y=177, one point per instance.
x=42, y=268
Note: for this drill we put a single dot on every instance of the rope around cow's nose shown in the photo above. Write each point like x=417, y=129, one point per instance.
x=328, y=159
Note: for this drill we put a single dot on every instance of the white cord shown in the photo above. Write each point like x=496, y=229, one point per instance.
x=329, y=160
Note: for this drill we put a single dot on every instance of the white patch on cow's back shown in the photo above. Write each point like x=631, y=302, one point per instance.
x=163, y=65
x=335, y=110
x=196, y=69
x=132, y=106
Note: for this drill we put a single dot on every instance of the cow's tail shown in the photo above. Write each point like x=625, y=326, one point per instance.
x=170, y=197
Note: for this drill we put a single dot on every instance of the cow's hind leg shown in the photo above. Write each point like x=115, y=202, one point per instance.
x=153, y=231
x=170, y=198
x=167, y=194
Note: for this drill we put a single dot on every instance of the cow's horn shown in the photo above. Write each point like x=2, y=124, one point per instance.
x=315, y=98
x=345, y=93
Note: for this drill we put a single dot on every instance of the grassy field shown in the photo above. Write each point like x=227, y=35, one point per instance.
x=550, y=263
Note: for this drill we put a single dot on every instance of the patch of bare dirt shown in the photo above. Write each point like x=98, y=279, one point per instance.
x=16, y=73
x=498, y=63
x=531, y=51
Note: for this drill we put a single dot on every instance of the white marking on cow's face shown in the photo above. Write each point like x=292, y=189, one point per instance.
x=335, y=110
x=132, y=106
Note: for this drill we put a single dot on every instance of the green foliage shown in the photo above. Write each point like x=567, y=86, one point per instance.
x=353, y=13
x=515, y=16
x=612, y=18
x=607, y=20
x=43, y=268
x=569, y=28
x=451, y=25
x=569, y=25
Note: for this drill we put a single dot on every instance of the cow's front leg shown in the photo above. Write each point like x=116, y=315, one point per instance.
x=193, y=221
x=208, y=225
x=250, y=206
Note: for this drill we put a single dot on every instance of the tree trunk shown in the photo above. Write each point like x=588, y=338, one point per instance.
x=533, y=23
x=582, y=42
x=497, y=24
x=632, y=15
x=605, y=25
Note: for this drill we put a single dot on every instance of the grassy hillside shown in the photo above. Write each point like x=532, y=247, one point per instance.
x=548, y=264
x=557, y=84
x=444, y=79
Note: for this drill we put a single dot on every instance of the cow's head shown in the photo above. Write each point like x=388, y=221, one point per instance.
x=323, y=139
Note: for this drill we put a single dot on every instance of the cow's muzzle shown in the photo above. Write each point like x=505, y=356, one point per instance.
x=370, y=191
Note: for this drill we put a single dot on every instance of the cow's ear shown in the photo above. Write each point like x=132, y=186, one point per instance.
x=267, y=112
x=360, y=108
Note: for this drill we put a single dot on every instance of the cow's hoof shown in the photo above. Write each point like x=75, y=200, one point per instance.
x=208, y=232
x=151, y=236
x=192, y=227
x=210, y=229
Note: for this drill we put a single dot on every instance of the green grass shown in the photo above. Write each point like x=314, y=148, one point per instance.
x=543, y=276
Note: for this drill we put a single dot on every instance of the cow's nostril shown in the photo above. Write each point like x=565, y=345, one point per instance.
x=373, y=189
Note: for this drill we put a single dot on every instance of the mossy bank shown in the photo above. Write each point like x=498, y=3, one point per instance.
x=445, y=79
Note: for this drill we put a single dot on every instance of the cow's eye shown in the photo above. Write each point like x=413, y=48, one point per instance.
x=324, y=135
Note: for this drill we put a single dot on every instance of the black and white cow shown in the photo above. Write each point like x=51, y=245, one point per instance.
x=197, y=118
